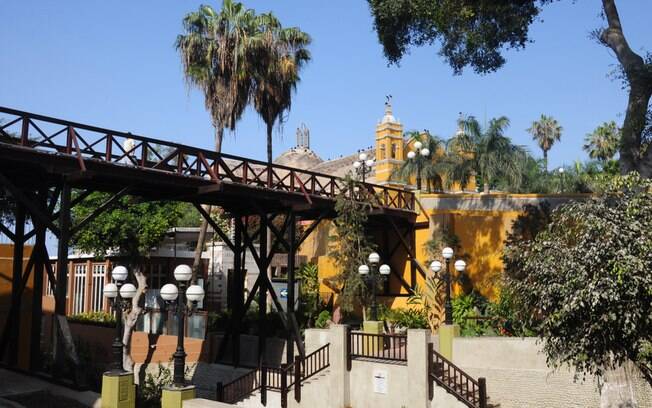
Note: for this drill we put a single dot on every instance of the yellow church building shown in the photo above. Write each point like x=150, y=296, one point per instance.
x=479, y=221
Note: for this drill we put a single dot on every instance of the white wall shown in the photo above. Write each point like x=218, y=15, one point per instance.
x=518, y=377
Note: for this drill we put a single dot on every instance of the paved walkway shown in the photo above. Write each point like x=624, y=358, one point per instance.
x=13, y=383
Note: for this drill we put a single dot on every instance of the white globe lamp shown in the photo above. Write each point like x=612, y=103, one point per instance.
x=447, y=253
x=127, y=291
x=195, y=293
x=182, y=273
x=363, y=270
x=169, y=292
x=110, y=290
x=384, y=269
x=119, y=273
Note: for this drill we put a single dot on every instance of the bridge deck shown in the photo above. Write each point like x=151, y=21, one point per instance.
x=36, y=149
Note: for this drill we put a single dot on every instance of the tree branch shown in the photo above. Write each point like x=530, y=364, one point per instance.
x=614, y=38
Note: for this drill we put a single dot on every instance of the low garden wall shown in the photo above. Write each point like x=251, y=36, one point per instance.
x=518, y=376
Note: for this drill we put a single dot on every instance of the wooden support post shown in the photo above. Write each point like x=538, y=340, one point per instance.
x=482, y=385
x=237, y=292
x=284, y=385
x=62, y=273
x=219, y=392
x=263, y=385
x=297, y=379
x=16, y=281
x=290, y=287
x=262, y=294
x=431, y=387
x=37, y=297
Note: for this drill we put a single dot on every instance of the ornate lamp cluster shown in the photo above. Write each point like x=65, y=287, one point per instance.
x=120, y=296
x=419, y=150
x=363, y=165
x=436, y=267
x=371, y=279
x=172, y=295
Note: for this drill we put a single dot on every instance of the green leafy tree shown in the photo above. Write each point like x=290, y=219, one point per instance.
x=602, y=144
x=429, y=170
x=309, y=292
x=545, y=131
x=584, y=282
x=483, y=152
x=476, y=33
x=129, y=231
x=279, y=54
x=350, y=244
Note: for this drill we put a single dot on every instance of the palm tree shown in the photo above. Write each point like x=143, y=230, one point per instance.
x=603, y=143
x=214, y=49
x=485, y=153
x=545, y=131
x=279, y=55
x=429, y=171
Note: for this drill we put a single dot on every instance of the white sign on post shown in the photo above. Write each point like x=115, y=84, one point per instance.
x=380, y=381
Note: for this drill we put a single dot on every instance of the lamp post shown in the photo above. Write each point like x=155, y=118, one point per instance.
x=363, y=165
x=171, y=294
x=376, y=275
x=422, y=152
x=119, y=296
x=436, y=267
x=561, y=178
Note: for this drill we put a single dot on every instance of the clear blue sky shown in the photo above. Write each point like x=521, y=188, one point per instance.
x=113, y=64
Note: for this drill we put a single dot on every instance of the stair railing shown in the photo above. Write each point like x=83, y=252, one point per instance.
x=468, y=390
x=283, y=379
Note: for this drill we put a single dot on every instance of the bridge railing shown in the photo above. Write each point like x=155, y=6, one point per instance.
x=87, y=142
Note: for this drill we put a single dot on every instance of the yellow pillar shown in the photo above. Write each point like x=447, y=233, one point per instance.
x=447, y=332
x=118, y=390
x=173, y=397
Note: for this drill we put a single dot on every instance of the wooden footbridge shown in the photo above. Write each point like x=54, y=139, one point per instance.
x=43, y=159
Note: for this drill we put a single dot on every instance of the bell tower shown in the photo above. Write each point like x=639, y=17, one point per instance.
x=389, y=145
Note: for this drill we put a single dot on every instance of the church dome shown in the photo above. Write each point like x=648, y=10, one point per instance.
x=300, y=157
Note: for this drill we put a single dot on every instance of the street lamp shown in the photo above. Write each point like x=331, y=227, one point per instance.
x=363, y=165
x=376, y=275
x=436, y=267
x=561, y=177
x=422, y=152
x=119, y=297
x=170, y=294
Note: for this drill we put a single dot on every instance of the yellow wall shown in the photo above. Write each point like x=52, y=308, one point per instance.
x=6, y=273
x=481, y=233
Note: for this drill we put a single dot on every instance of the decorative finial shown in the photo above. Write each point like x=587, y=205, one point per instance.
x=388, y=104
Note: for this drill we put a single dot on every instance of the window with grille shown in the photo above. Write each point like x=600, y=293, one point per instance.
x=80, y=289
x=99, y=273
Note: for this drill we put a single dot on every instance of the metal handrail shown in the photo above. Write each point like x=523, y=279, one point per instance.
x=389, y=347
x=468, y=390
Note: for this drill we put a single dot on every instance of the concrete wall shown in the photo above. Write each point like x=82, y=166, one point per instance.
x=518, y=377
x=516, y=372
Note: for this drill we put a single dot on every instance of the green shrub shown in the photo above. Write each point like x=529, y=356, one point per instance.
x=94, y=318
x=323, y=319
x=411, y=318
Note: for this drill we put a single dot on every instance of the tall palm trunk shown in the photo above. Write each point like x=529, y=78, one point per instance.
x=201, y=239
x=545, y=159
x=270, y=127
x=485, y=186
